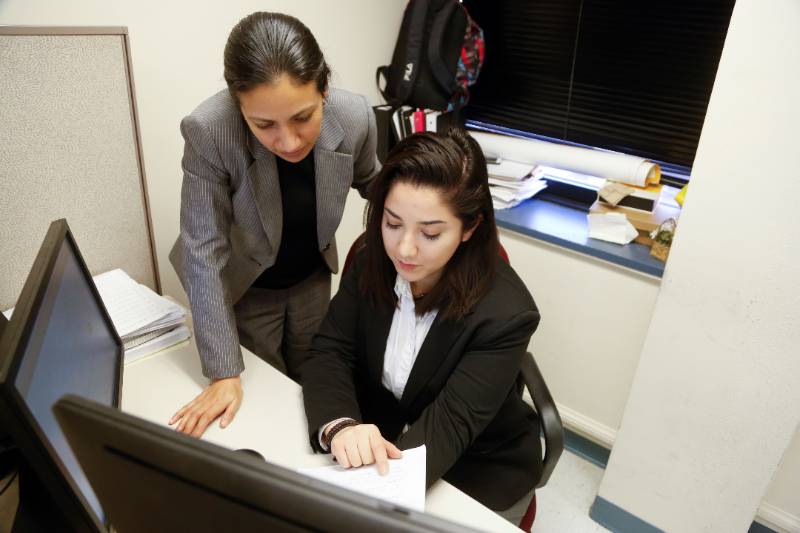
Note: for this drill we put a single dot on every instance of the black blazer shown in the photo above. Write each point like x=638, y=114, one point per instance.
x=461, y=400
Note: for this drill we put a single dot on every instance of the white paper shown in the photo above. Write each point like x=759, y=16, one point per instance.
x=507, y=194
x=134, y=308
x=528, y=184
x=611, y=165
x=511, y=170
x=611, y=227
x=158, y=343
x=403, y=485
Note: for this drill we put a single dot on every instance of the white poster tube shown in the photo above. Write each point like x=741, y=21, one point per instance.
x=614, y=166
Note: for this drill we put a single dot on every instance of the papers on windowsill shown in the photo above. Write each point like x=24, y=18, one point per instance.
x=509, y=170
x=611, y=227
x=403, y=485
x=511, y=183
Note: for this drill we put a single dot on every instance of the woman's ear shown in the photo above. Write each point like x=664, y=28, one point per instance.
x=468, y=233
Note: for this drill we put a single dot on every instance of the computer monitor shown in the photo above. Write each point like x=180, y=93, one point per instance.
x=151, y=478
x=59, y=340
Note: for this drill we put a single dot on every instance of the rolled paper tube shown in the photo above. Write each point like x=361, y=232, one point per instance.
x=623, y=168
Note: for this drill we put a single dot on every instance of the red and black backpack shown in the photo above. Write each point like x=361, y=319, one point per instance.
x=438, y=55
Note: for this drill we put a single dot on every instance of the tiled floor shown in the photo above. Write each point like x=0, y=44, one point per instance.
x=562, y=506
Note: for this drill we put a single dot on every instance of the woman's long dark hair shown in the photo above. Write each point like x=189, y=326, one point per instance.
x=453, y=164
x=264, y=45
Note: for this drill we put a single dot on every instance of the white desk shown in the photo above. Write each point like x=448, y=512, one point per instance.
x=271, y=421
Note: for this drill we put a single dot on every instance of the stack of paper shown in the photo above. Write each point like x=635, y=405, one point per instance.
x=511, y=183
x=145, y=321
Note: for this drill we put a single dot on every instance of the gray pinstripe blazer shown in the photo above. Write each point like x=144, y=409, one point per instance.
x=231, y=214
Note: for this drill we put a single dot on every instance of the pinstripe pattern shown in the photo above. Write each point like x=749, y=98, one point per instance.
x=231, y=214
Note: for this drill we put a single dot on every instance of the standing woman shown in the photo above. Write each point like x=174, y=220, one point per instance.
x=267, y=166
x=424, y=341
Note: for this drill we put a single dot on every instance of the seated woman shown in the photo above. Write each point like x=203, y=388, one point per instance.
x=423, y=342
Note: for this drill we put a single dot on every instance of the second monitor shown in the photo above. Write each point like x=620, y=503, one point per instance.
x=150, y=478
x=60, y=340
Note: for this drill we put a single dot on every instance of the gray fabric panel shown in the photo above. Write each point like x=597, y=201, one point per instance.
x=68, y=150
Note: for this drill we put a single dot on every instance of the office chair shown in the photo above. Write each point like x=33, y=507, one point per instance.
x=531, y=378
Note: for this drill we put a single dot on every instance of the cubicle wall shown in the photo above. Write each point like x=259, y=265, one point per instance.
x=69, y=148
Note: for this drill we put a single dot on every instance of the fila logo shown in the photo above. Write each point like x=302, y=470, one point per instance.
x=409, y=70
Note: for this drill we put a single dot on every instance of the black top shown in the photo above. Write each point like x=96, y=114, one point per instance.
x=298, y=255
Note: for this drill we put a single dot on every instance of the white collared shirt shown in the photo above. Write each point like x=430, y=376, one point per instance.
x=407, y=333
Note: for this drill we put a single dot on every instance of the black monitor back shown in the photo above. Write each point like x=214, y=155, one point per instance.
x=150, y=478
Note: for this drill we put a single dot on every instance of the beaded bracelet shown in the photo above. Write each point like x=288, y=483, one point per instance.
x=327, y=438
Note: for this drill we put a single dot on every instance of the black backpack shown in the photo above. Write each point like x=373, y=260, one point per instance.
x=439, y=53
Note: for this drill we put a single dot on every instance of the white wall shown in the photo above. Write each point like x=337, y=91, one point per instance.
x=715, y=400
x=177, y=62
x=594, y=318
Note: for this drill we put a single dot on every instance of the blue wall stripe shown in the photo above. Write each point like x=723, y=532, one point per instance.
x=585, y=448
x=756, y=527
x=617, y=519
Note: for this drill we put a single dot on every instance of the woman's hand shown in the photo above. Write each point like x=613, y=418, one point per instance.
x=222, y=397
x=363, y=445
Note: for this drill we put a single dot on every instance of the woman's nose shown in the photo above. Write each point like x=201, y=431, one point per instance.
x=289, y=141
x=407, y=247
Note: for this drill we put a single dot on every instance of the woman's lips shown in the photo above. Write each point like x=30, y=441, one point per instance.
x=296, y=153
x=406, y=266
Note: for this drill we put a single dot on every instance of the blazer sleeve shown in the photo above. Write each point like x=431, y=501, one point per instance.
x=328, y=374
x=205, y=219
x=472, y=394
x=366, y=164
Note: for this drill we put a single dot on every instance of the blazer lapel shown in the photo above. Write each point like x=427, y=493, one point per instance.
x=433, y=352
x=334, y=175
x=263, y=180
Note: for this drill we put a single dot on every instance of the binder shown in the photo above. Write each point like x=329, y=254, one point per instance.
x=431, y=118
x=419, y=120
x=407, y=119
x=385, y=126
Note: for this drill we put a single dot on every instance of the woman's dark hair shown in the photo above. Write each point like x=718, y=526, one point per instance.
x=264, y=45
x=453, y=164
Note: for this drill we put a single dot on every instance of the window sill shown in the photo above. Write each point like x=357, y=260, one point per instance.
x=569, y=228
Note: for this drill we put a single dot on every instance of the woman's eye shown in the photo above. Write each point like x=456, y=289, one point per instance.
x=303, y=119
x=264, y=126
x=431, y=237
x=392, y=226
